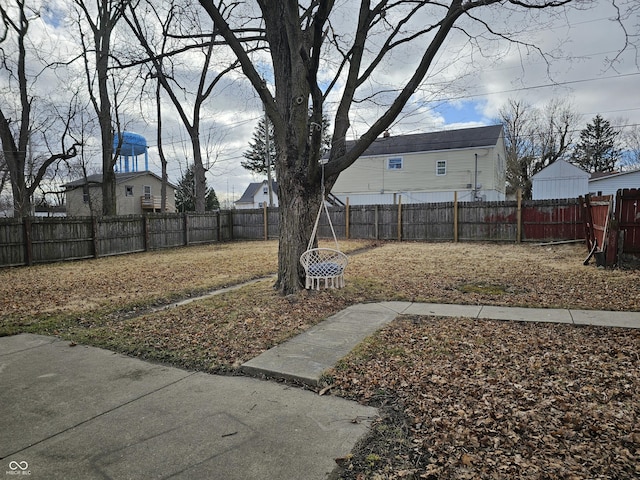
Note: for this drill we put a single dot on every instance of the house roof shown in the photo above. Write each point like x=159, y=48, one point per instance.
x=253, y=188
x=96, y=179
x=432, y=141
x=603, y=175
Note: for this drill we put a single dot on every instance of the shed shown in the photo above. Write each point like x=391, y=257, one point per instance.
x=559, y=180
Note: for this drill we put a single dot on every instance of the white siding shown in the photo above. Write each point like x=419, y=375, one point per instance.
x=418, y=197
x=559, y=188
x=417, y=181
x=610, y=185
x=559, y=180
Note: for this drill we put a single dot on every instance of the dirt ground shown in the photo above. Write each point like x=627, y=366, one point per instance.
x=460, y=398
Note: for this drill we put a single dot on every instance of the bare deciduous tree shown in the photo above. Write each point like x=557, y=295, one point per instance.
x=182, y=25
x=630, y=140
x=298, y=35
x=535, y=138
x=35, y=133
x=101, y=19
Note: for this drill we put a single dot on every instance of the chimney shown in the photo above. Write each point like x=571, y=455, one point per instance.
x=386, y=134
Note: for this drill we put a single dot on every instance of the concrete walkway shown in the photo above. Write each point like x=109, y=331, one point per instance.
x=306, y=357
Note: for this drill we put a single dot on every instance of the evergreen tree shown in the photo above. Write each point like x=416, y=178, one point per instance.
x=597, y=150
x=255, y=157
x=186, y=194
x=256, y=160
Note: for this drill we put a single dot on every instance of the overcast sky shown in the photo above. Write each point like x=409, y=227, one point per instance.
x=473, y=85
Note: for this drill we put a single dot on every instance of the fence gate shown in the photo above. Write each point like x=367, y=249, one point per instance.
x=613, y=235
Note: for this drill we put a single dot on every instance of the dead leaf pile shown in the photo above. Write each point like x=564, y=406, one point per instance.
x=488, y=399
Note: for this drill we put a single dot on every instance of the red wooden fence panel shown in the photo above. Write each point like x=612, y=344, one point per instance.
x=551, y=220
x=627, y=218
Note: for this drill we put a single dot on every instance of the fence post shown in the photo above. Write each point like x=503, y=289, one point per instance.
x=399, y=218
x=519, y=218
x=346, y=219
x=28, y=245
x=230, y=216
x=186, y=228
x=94, y=237
x=455, y=217
x=218, y=229
x=265, y=220
x=145, y=230
x=375, y=219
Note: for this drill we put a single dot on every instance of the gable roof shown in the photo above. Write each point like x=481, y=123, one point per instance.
x=253, y=188
x=433, y=141
x=96, y=179
x=560, y=169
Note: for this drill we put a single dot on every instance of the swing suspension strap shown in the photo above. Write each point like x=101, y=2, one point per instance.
x=323, y=205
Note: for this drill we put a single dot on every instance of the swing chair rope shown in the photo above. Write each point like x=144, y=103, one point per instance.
x=323, y=204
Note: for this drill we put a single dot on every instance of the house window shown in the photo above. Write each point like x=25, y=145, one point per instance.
x=147, y=192
x=394, y=163
x=265, y=190
x=441, y=167
x=128, y=190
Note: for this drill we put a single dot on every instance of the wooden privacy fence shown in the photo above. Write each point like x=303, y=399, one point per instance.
x=613, y=234
x=39, y=240
x=511, y=221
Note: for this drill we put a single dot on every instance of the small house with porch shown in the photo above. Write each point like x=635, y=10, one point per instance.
x=136, y=193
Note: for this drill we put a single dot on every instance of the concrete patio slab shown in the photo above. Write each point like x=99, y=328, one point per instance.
x=84, y=413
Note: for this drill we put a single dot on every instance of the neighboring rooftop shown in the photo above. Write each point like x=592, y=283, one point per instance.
x=253, y=188
x=432, y=141
x=96, y=179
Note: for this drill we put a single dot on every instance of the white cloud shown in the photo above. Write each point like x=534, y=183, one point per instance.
x=474, y=81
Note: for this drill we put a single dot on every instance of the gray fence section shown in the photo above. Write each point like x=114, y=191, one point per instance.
x=39, y=240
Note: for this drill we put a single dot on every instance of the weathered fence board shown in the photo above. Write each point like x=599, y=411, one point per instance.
x=35, y=240
x=165, y=231
x=118, y=235
x=56, y=239
x=12, y=242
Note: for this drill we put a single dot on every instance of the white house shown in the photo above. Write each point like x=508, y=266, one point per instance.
x=428, y=167
x=559, y=180
x=610, y=183
x=136, y=193
x=257, y=195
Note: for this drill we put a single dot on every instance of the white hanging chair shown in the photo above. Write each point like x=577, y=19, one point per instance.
x=323, y=264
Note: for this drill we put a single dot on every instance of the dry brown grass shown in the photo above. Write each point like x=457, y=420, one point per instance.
x=504, y=274
x=467, y=399
x=113, y=282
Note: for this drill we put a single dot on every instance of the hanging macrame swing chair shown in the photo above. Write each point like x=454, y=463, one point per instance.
x=323, y=265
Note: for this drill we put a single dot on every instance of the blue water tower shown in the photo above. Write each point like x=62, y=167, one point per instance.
x=131, y=146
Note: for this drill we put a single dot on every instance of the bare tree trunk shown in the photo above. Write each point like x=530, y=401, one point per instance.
x=163, y=159
x=199, y=177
